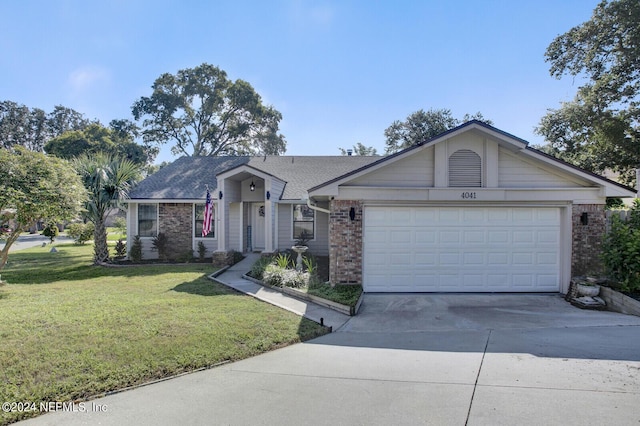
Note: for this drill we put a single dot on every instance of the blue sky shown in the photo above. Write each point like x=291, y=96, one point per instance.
x=340, y=72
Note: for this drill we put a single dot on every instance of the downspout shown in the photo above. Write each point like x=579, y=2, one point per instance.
x=312, y=207
x=638, y=182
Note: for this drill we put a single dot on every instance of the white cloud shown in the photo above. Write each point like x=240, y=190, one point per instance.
x=85, y=78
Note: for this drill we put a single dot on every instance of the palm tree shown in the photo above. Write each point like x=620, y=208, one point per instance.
x=108, y=181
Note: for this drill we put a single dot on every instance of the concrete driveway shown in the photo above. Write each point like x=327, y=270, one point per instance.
x=414, y=359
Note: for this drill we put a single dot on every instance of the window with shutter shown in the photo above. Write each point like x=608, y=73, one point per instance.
x=465, y=169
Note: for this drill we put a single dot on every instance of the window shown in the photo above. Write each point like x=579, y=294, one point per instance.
x=199, y=218
x=465, y=169
x=303, y=221
x=148, y=220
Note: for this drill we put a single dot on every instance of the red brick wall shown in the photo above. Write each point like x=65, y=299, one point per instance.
x=587, y=239
x=176, y=223
x=345, y=242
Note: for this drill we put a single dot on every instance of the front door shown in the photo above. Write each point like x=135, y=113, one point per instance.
x=258, y=226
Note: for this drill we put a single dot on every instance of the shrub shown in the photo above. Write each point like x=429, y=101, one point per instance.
x=282, y=277
x=202, y=251
x=310, y=265
x=234, y=257
x=257, y=270
x=81, y=233
x=283, y=260
x=51, y=231
x=136, y=249
x=621, y=250
x=161, y=244
x=185, y=257
x=121, y=249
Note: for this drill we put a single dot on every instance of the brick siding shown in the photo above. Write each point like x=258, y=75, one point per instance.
x=587, y=239
x=345, y=242
x=176, y=222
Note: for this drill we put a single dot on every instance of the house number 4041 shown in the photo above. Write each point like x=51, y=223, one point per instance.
x=468, y=195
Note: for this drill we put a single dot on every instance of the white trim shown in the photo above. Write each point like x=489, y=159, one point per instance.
x=215, y=225
x=315, y=217
x=157, y=204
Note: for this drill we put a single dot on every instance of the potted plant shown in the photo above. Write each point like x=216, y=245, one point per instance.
x=587, y=286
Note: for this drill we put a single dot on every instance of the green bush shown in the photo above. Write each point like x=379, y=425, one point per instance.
x=80, y=232
x=234, y=257
x=121, y=249
x=51, y=231
x=161, y=244
x=257, y=270
x=283, y=260
x=621, y=250
x=136, y=249
x=282, y=277
x=202, y=251
x=185, y=257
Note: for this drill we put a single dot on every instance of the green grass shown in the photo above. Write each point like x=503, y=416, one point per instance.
x=70, y=330
x=344, y=294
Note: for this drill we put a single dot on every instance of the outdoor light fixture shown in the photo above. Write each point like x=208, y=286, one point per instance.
x=219, y=195
x=584, y=218
x=252, y=187
x=352, y=213
x=268, y=195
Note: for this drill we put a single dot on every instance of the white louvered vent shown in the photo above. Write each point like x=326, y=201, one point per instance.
x=465, y=169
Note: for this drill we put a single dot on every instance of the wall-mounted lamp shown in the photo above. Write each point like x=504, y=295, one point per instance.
x=252, y=187
x=268, y=195
x=352, y=213
x=219, y=195
x=584, y=218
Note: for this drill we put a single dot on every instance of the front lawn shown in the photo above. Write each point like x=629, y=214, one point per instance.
x=70, y=331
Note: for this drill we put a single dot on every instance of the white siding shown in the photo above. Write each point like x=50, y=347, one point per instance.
x=413, y=171
x=234, y=227
x=515, y=173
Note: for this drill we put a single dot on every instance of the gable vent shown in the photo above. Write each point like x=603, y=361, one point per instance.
x=465, y=169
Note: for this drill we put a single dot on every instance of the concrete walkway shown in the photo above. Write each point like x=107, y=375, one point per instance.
x=232, y=277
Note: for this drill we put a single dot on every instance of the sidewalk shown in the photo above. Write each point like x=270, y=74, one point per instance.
x=232, y=277
x=33, y=240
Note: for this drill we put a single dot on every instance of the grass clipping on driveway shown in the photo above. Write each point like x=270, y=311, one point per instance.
x=70, y=331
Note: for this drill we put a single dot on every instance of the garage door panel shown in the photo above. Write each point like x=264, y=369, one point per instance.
x=449, y=236
x=496, y=236
x=461, y=249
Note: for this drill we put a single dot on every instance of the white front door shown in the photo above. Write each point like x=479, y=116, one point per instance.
x=461, y=249
x=258, y=226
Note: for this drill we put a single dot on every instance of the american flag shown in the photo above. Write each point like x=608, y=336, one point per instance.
x=208, y=213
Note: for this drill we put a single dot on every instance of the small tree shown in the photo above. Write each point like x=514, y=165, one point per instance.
x=35, y=187
x=51, y=231
x=202, y=250
x=136, y=249
x=121, y=249
x=161, y=244
x=108, y=181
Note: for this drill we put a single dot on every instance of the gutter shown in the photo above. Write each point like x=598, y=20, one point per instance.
x=312, y=207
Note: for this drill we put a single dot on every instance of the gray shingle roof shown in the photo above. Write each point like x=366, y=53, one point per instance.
x=186, y=177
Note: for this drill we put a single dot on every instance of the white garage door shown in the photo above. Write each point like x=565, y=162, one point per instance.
x=461, y=249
